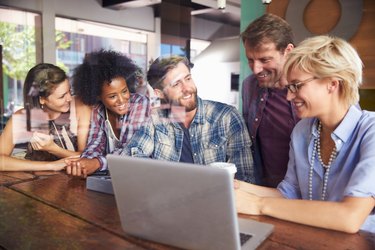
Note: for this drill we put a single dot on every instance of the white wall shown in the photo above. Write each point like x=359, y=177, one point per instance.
x=213, y=68
x=213, y=81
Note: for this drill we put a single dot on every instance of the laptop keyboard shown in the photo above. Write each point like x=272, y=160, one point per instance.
x=244, y=238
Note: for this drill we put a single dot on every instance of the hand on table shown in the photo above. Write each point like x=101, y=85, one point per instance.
x=246, y=202
x=81, y=166
x=56, y=165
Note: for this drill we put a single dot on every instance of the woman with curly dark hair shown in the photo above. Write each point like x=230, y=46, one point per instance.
x=107, y=80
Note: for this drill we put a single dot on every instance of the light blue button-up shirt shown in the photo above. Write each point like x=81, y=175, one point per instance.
x=352, y=173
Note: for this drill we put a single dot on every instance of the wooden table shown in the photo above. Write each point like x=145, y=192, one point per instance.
x=47, y=210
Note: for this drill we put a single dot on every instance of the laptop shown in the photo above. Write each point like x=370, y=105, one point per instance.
x=179, y=204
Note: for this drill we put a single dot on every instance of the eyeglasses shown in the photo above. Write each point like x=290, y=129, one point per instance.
x=294, y=87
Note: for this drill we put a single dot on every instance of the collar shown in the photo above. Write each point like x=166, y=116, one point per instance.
x=200, y=116
x=345, y=129
x=348, y=124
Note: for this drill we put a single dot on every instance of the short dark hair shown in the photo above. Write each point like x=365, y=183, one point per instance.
x=99, y=68
x=268, y=28
x=160, y=67
x=41, y=81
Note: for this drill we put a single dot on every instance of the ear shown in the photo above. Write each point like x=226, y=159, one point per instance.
x=288, y=48
x=159, y=93
x=42, y=100
x=333, y=85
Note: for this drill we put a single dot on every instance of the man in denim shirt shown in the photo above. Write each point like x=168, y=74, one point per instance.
x=270, y=118
x=204, y=132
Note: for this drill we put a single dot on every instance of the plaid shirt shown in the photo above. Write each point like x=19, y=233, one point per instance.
x=217, y=133
x=97, y=143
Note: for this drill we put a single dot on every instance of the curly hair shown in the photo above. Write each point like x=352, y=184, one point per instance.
x=99, y=68
x=41, y=81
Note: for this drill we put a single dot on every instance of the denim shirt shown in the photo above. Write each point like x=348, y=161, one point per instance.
x=352, y=173
x=254, y=101
x=217, y=133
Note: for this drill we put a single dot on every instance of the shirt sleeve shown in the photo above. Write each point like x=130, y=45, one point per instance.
x=97, y=139
x=289, y=187
x=141, y=144
x=245, y=101
x=140, y=122
x=239, y=148
x=361, y=183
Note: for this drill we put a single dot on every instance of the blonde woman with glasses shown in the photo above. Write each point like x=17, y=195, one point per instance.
x=331, y=171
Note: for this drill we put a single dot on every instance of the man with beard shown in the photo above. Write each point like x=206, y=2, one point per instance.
x=204, y=132
x=270, y=118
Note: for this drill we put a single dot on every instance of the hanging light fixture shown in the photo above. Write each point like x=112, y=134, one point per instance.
x=221, y=4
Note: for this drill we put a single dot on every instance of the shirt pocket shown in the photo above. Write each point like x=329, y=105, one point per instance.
x=164, y=147
x=214, y=149
x=162, y=138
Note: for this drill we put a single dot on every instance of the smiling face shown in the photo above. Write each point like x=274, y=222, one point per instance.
x=179, y=88
x=267, y=62
x=115, y=96
x=311, y=99
x=58, y=101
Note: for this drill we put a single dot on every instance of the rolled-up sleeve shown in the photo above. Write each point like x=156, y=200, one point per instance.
x=97, y=139
x=359, y=186
x=289, y=187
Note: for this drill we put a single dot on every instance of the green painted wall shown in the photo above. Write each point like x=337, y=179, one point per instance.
x=250, y=10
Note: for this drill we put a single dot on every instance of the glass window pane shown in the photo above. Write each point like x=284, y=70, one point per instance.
x=81, y=37
x=178, y=50
x=20, y=38
x=165, y=49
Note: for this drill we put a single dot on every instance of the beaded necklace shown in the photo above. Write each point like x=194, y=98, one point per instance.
x=326, y=167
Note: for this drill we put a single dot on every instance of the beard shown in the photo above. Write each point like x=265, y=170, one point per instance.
x=188, y=105
x=192, y=104
x=271, y=79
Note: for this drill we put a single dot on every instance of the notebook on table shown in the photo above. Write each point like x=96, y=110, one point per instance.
x=179, y=204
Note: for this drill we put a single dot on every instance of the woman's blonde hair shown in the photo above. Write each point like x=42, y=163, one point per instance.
x=328, y=56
